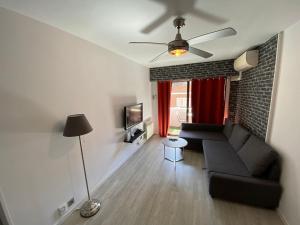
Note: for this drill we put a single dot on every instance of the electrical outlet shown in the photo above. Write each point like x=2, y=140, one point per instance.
x=65, y=207
x=70, y=202
x=62, y=209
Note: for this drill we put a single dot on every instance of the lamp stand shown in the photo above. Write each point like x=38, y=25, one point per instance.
x=91, y=206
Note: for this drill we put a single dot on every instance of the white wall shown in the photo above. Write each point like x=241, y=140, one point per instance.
x=45, y=75
x=284, y=133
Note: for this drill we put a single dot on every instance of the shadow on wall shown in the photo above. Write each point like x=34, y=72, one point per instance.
x=34, y=129
x=21, y=115
x=60, y=145
x=3, y=220
x=117, y=107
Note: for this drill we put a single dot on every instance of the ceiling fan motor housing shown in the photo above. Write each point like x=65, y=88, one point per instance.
x=179, y=22
x=178, y=46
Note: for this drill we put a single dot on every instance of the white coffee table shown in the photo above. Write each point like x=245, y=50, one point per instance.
x=174, y=143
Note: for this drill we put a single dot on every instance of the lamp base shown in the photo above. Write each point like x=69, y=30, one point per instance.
x=90, y=208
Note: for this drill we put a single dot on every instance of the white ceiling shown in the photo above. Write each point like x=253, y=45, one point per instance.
x=113, y=23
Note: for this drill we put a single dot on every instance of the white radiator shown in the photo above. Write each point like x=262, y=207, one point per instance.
x=149, y=128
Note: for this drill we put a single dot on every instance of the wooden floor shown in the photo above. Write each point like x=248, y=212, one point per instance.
x=147, y=190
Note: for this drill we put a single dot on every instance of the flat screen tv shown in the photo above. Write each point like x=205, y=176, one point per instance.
x=133, y=115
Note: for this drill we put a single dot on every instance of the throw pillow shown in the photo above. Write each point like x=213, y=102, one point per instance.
x=238, y=137
x=257, y=155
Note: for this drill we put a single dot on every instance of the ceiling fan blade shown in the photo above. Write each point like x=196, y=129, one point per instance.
x=156, y=23
x=147, y=43
x=212, y=36
x=157, y=57
x=200, y=53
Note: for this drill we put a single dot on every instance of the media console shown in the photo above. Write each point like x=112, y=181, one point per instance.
x=138, y=133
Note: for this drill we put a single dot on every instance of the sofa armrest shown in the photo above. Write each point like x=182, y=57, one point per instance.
x=201, y=126
x=248, y=190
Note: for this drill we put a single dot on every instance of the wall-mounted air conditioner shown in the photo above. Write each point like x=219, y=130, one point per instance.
x=246, y=61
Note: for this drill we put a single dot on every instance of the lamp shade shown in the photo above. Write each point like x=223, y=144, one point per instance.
x=77, y=125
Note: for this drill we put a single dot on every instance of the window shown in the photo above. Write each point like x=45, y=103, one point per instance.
x=180, y=111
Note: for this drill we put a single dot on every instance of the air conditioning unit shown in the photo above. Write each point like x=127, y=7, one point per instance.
x=246, y=61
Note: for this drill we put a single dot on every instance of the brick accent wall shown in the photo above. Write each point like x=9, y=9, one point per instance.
x=195, y=70
x=252, y=94
x=233, y=101
x=250, y=98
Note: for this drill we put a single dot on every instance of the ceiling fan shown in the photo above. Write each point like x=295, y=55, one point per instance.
x=181, y=46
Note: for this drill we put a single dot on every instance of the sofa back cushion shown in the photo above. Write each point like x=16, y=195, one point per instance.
x=238, y=137
x=227, y=130
x=201, y=127
x=257, y=156
x=273, y=172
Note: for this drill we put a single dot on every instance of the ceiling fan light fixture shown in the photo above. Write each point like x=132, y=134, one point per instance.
x=178, y=47
x=178, y=52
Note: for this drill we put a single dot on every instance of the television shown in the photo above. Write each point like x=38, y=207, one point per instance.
x=133, y=115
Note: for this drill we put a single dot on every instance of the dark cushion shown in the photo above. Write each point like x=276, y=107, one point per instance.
x=257, y=155
x=202, y=135
x=201, y=127
x=273, y=172
x=221, y=157
x=238, y=137
x=248, y=190
x=227, y=130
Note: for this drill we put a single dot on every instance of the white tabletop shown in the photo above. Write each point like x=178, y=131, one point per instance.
x=178, y=143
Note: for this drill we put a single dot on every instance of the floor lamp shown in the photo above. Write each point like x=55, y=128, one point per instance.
x=78, y=125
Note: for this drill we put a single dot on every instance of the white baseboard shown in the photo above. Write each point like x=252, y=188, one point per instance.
x=282, y=217
x=77, y=205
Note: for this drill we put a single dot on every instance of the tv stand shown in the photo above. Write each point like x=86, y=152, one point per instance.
x=138, y=133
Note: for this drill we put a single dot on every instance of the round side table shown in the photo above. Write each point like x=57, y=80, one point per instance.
x=174, y=143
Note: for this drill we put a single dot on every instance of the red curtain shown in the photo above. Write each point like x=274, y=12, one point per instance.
x=164, y=101
x=208, y=100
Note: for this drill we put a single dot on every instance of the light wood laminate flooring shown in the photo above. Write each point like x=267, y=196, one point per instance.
x=147, y=190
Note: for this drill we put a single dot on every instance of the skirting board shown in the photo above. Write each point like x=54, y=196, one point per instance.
x=77, y=205
x=282, y=217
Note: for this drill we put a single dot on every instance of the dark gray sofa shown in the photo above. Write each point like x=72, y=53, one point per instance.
x=195, y=133
x=241, y=167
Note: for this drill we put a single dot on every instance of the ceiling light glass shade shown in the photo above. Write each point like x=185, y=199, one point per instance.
x=178, y=47
x=178, y=52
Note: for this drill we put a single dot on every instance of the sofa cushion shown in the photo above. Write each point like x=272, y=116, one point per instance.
x=201, y=127
x=227, y=130
x=273, y=172
x=202, y=135
x=238, y=137
x=257, y=155
x=221, y=157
